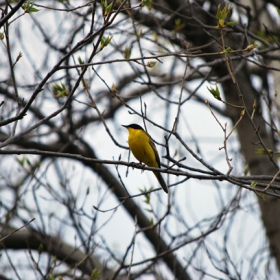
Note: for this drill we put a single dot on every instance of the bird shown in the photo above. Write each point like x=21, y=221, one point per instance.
x=144, y=149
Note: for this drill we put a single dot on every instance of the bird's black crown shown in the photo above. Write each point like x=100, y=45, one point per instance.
x=134, y=126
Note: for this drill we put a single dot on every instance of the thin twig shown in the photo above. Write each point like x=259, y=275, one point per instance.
x=2, y=239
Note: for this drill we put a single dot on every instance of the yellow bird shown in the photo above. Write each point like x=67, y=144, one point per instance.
x=144, y=149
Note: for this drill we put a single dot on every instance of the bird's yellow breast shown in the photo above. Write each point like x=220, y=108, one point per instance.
x=139, y=144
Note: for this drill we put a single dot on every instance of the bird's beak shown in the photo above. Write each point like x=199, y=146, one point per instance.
x=124, y=126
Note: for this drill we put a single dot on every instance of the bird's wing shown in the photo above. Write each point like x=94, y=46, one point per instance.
x=155, y=151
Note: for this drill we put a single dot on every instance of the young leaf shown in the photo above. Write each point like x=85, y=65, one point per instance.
x=263, y=151
x=60, y=90
x=105, y=42
x=95, y=274
x=215, y=92
x=41, y=248
x=28, y=7
x=147, y=3
x=114, y=89
x=151, y=64
x=127, y=52
x=223, y=15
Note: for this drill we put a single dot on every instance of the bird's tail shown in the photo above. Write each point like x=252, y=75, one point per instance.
x=161, y=181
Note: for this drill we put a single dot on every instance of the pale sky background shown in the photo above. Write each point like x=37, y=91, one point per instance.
x=197, y=200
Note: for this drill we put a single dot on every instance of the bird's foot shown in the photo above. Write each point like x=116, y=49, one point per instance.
x=137, y=164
